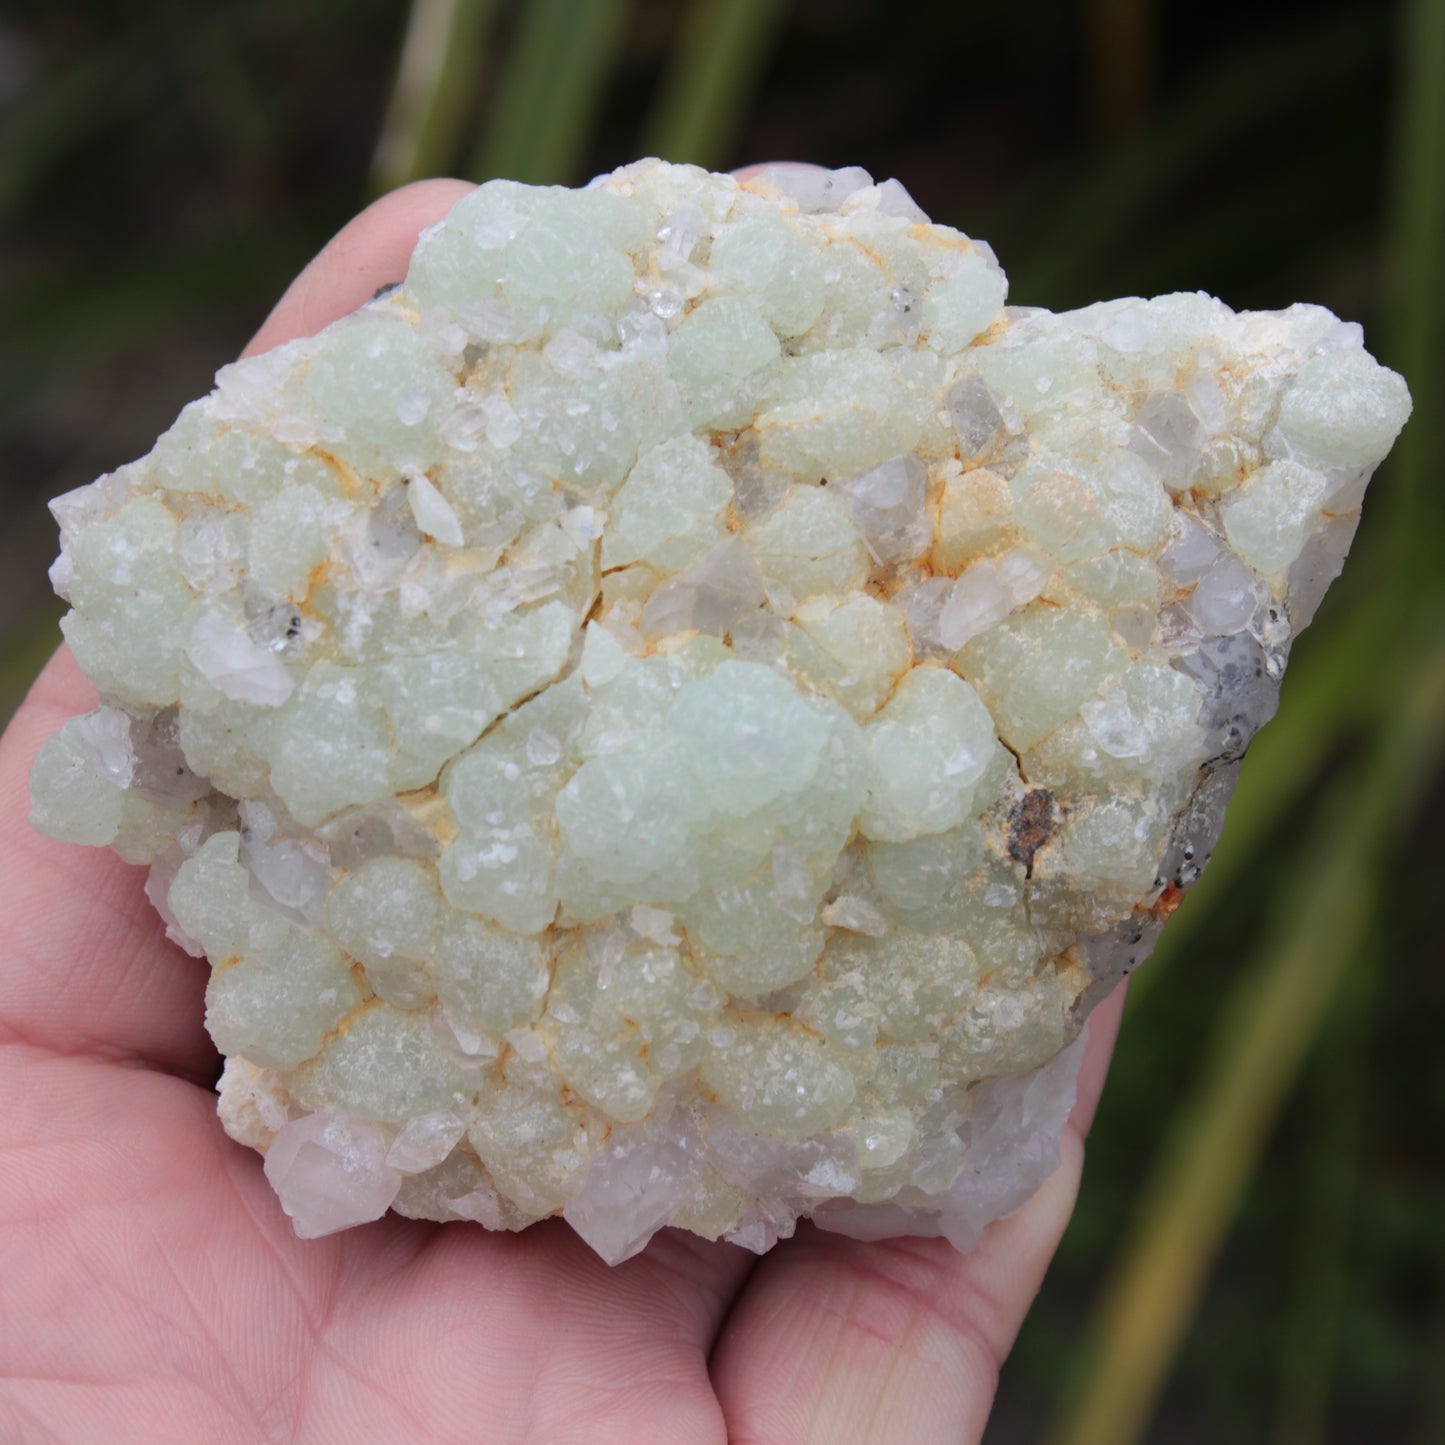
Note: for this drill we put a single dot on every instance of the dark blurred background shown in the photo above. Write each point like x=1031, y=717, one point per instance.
x=1259, y=1250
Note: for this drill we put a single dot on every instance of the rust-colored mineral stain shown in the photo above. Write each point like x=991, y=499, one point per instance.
x=1168, y=901
x=1030, y=826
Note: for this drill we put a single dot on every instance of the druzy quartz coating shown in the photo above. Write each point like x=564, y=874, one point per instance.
x=675, y=713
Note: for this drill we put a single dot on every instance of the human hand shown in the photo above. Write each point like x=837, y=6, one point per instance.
x=153, y=1290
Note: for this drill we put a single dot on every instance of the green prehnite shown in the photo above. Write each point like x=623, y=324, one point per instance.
x=676, y=713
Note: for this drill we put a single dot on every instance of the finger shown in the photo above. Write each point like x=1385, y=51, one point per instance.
x=84, y=965
x=366, y=254
x=898, y=1340
x=398, y=1330
x=1103, y=1032
x=557, y=1345
x=747, y=173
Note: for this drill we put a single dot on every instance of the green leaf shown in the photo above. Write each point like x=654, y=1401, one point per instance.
x=1254, y=1055
x=437, y=78
x=1417, y=299
x=550, y=91
x=1331, y=896
x=1336, y=1089
x=717, y=63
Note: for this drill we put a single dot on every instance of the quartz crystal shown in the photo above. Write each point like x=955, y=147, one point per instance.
x=676, y=712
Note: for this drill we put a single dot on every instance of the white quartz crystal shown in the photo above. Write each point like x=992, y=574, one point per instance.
x=675, y=713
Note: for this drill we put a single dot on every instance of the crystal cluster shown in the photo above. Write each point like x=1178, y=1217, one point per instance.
x=676, y=712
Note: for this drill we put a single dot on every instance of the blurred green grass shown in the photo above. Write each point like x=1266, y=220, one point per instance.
x=1256, y=1253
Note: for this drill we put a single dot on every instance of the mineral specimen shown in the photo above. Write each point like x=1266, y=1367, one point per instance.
x=675, y=713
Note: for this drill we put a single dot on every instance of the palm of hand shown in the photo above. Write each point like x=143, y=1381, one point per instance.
x=154, y=1291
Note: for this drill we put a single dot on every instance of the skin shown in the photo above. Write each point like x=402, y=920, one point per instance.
x=154, y=1291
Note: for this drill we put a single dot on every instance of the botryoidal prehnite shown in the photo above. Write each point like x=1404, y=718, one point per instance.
x=675, y=713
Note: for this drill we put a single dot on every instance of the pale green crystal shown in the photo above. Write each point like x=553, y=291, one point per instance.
x=962, y=306
x=716, y=349
x=1341, y=410
x=677, y=711
x=388, y=1066
x=671, y=508
x=809, y=546
x=81, y=778
x=277, y=989
x=289, y=536
x=1270, y=519
x=1036, y=668
x=767, y=258
x=927, y=749
x=385, y=911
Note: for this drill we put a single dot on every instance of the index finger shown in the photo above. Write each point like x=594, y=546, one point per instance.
x=84, y=963
x=366, y=254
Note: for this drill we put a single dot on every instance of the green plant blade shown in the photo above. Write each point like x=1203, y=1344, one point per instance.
x=436, y=77
x=550, y=90
x=1266, y=1027
x=1417, y=300
x=1257, y=1048
x=1326, y=1191
x=717, y=62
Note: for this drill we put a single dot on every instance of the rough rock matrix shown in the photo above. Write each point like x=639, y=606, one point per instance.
x=675, y=713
